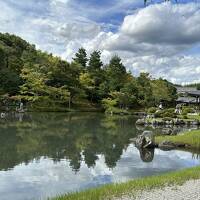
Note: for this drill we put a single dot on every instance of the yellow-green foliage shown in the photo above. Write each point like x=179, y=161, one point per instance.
x=191, y=138
x=108, y=192
x=194, y=117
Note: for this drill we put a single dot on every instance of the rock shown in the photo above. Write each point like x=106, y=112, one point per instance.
x=141, y=122
x=179, y=122
x=195, y=123
x=145, y=140
x=167, y=146
x=166, y=131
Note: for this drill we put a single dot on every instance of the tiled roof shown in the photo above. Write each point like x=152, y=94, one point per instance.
x=187, y=99
x=188, y=90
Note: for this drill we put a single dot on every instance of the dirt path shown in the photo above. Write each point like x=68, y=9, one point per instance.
x=188, y=191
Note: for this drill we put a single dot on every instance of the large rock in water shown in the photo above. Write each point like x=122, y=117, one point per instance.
x=145, y=140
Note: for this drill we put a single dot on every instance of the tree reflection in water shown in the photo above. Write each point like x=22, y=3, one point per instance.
x=74, y=137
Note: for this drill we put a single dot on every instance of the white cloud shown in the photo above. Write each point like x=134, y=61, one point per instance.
x=59, y=1
x=154, y=39
x=164, y=23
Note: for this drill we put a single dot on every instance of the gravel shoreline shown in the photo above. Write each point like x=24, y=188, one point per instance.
x=188, y=191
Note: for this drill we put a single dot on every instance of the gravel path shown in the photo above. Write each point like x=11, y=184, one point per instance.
x=188, y=191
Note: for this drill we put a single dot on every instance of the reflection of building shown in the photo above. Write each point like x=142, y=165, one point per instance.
x=188, y=95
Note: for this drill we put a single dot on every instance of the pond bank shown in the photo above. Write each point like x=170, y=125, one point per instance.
x=132, y=188
x=190, y=139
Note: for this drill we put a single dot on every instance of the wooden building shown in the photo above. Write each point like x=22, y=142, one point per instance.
x=188, y=95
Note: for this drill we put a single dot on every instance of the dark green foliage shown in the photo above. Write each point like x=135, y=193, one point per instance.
x=185, y=117
x=9, y=81
x=95, y=62
x=116, y=72
x=187, y=110
x=152, y=110
x=169, y=113
x=12, y=49
x=37, y=76
x=81, y=57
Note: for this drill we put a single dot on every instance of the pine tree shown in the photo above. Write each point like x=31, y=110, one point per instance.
x=81, y=57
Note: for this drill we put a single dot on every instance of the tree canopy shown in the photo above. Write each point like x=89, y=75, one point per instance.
x=35, y=76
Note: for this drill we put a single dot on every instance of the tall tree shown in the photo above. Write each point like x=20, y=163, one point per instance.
x=116, y=72
x=95, y=63
x=81, y=57
x=145, y=96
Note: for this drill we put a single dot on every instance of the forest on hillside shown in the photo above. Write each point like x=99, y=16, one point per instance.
x=42, y=80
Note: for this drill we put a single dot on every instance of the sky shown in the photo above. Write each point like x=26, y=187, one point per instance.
x=161, y=38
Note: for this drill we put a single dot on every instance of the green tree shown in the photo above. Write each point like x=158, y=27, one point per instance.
x=35, y=88
x=9, y=82
x=163, y=91
x=81, y=57
x=116, y=73
x=98, y=75
x=95, y=63
x=145, y=95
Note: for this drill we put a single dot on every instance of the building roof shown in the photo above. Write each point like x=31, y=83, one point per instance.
x=187, y=100
x=192, y=91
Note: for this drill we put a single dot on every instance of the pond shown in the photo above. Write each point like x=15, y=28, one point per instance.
x=46, y=154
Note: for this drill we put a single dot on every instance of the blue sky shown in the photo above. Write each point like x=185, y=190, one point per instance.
x=162, y=38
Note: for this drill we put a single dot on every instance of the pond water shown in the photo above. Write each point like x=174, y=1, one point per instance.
x=46, y=154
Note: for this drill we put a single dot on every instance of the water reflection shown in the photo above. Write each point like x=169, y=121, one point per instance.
x=146, y=154
x=42, y=155
x=24, y=137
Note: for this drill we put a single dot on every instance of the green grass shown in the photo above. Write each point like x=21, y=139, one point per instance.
x=191, y=138
x=194, y=117
x=107, y=192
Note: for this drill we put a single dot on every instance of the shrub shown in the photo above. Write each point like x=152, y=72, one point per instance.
x=187, y=110
x=185, y=117
x=166, y=113
x=159, y=113
x=109, y=103
x=167, y=119
x=152, y=110
x=169, y=114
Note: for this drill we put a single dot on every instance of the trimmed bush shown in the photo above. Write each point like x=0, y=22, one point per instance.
x=152, y=110
x=185, y=117
x=187, y=110
x=169, y=113
x=167, y=119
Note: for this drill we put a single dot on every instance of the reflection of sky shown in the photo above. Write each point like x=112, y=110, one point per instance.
x=45, y=178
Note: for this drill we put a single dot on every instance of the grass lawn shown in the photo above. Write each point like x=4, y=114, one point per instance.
x=110, y=191
x=191, y=138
